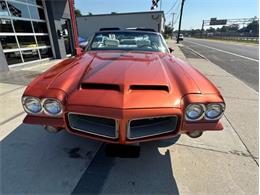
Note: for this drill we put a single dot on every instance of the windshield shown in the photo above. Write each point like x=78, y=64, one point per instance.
x=137, y=41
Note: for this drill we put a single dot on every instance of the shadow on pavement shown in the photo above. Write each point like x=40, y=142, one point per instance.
x=34, y=161
x=151, y=173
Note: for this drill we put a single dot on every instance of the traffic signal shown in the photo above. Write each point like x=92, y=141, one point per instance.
x=154, y=4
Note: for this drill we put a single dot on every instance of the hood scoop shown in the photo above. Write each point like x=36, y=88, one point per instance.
x=100, y=86
x=149, y=87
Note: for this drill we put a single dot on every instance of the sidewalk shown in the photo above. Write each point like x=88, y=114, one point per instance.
x=241, y=100
x=230, y=156
x=34, y=161
x=12, y=85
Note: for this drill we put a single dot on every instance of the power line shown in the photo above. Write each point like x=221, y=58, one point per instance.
x=177, y=18
x=172, y=7
x=177, y=12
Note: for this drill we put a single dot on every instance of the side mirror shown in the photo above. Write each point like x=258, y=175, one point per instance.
x=83, y=45
x=171, y=49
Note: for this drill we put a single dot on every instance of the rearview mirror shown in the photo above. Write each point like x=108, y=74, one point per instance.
x=171, y=49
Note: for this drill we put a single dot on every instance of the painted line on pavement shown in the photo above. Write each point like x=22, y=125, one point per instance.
x=234, y=54
x=231, y=75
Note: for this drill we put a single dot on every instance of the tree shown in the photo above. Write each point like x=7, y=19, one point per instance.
x=233, y=28
x=77, y=12
x=211, y=30
x=168, y=31
x=253, y=27
x=224, y=29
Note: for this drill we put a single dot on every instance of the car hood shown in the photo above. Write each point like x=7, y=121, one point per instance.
x=132, y=80
x=121, y=79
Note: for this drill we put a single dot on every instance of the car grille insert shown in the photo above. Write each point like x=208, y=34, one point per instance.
x=146, y=127
x=99, y=126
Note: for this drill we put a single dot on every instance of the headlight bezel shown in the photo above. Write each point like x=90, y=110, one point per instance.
x=222, y=106
x=45, y=111
x=205, y=107
x=42, y=103
x=25, y=98
x=195, y=104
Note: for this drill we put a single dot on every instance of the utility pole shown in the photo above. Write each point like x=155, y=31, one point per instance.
x=172, y=24
x=202, y=29
x=173, y=19
x=179, y=31
x=160, y=5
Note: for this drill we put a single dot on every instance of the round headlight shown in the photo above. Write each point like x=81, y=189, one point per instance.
x=194, y=112
x=214, y=111
x=52, y=107
x=32, y=105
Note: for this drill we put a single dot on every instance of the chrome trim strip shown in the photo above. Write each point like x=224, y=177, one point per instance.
x=129, y=123
x=116, y=125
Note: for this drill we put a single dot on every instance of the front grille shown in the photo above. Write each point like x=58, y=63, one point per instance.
x=140, y=128
x=104, y=127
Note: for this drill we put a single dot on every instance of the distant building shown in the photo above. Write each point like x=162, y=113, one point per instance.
x=89, y=24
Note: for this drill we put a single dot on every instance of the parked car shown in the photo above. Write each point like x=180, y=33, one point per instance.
x=126, y=88
x=181, y=37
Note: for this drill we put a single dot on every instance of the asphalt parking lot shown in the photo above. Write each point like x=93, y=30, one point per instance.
x=36, y=162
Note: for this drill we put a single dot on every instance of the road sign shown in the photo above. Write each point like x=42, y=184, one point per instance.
x=214, y=21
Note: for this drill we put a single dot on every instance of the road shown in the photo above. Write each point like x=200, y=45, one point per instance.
x=240, y=60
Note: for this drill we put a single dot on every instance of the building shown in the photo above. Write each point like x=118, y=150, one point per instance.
x=32, y=31
x=89, y=24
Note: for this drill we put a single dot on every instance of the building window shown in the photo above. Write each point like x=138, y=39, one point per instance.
x=22, y=26
x=13, y=57
x=40, y=27
x=36, y=2
x=27, y=41
x=18, y=10
x=5, y=25
x=30, y=55
x=23, y=31
x=8, y=42
x=3, y=9
x=37, y=13
x=46, y=53
x=43, y=41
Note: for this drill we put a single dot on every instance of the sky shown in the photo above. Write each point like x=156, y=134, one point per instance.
x=194, y=10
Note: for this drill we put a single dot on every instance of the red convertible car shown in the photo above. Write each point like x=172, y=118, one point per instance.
x=125, y=88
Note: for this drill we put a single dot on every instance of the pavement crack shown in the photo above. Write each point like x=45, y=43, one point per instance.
x=233, y=152
x=251, y=155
